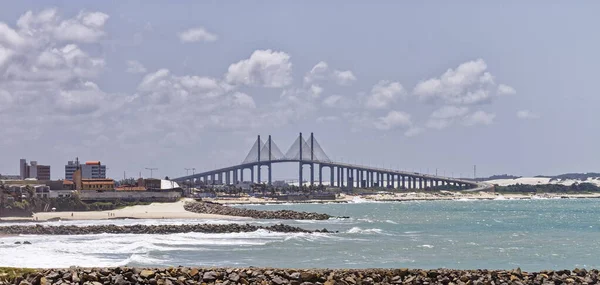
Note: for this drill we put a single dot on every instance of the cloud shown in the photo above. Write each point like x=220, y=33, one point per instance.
x=383, y=94
x=393, y=120
x=316, y=90
x=42, y=67
x=318, y=72
x=479, y=118
x=445, y=116
x=468, y=84
x=332, y=101
x=196, y=35
x=135, y=67
x=163, y=87
x=244, y=100
x=344, y=77
x=321, y=72
x=414, y=131
x=265, y=68
x=526, y=114
x=506, y=90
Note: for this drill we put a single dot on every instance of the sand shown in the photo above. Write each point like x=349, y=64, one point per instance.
x=153, y=211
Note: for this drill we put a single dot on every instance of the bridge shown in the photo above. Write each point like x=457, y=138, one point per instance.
x=310, y=153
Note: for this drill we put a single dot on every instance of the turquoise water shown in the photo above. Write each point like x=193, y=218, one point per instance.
x=531, y=234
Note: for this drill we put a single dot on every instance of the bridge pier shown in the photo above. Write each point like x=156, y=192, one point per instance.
x=312, y=174
x=269, y=167
x=320, y=174
x=258, y=168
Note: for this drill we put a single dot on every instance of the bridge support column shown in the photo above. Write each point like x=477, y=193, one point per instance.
x=312, y=174
x=320, y=174
x=270, y=172
x=300, y=174
x=331, y=174
x=252, y=174
x=258, y=168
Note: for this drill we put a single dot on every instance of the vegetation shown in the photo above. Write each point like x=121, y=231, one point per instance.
x=22, y=207
x=8, y=274
x=549, y=188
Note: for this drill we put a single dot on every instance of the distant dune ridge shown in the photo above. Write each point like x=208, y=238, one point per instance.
x=562, y=179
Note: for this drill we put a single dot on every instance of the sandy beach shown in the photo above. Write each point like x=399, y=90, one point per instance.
x=153, y=211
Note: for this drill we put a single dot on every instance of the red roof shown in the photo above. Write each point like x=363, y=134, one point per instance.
x=92, y=162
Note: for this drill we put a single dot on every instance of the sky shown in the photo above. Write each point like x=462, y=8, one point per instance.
x=509, y=86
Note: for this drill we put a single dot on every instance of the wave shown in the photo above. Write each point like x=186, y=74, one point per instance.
x=357, y=230
x=391, y=222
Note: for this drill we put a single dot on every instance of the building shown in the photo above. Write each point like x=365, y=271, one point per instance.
x=34, y=170
x=97, y=184
x=89, y=170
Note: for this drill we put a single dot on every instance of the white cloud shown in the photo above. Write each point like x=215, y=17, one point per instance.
x=87, y=27
x=448, y=112
x=196, y=35
x=318, y=72
x=162, y=87
x=43, y=68
x=393, y=120
x=344, y=77
x=445, y=116
x=506, y=90
x=468, y=84
x=244, y=100
x=479, y=118
x=134, y=66
x=332, y=101
x=383, y=94
x=316, y=90
x=526, y=114
x=265, y=68
x=413, y=131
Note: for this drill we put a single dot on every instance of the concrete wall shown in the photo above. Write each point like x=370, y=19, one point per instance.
x=91, y=195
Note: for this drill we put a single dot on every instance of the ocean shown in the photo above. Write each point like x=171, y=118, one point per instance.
x=499, y=234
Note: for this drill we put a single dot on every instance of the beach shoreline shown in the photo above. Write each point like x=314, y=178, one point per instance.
x=176, y=210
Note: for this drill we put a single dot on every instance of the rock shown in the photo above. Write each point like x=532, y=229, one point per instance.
x=350, y=280
x=147, y=274
x=308, y=276
x=26, y=242
x=210, y=276
x=234, y=277
x=279, y=281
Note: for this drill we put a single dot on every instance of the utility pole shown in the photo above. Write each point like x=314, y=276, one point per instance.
x=151, y=170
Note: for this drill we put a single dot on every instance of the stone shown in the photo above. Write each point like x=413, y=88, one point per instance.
x=350, y=280
x=194, y=272
x=279, y=281
x=308, y=276
x=210, y=276
x=234, y=277
x=147, y=274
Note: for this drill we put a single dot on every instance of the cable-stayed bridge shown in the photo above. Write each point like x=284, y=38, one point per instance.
x=309, y=152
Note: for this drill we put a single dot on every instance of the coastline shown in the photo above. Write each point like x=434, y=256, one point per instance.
x=172, y=210
x=280, y=276
x=176, y=210
x=410, y=196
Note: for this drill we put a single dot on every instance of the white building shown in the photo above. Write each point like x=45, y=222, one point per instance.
x=89, y=170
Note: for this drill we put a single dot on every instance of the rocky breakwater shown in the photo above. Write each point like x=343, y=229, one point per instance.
x=225, y=276
x=149, y=229
x=218, y=209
